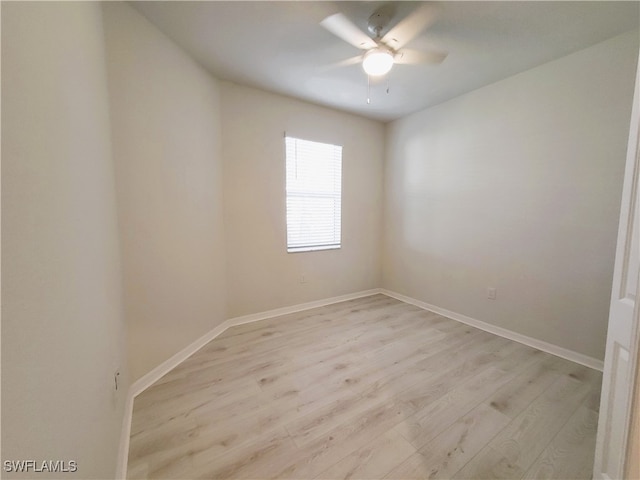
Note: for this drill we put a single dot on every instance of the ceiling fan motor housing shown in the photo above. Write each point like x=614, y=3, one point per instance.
x=379, y=20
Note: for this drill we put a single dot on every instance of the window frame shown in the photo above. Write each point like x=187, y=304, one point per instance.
x=313, y=247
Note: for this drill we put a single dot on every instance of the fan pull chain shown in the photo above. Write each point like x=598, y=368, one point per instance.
x=368, y=90
x=388, y=83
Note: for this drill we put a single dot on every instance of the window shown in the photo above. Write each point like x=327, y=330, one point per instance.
x=314, y=183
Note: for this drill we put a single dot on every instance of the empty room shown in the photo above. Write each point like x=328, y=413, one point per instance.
x=318, y=239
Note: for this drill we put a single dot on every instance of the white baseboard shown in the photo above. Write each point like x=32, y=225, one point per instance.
x=565, y=353
x=154, y=375
x=301, y=307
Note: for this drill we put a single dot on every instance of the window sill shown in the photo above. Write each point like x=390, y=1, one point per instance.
x=313, y=249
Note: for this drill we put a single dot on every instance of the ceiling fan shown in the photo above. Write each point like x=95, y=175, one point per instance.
x=383, y=50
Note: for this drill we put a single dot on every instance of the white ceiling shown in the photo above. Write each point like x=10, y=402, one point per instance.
x=280, y=46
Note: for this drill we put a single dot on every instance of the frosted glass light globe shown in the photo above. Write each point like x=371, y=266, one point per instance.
x=377, y=62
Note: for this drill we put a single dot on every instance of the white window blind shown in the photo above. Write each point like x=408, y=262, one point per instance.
x=314, y=184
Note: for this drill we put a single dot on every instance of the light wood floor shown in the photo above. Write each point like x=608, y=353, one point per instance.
x=370, y=388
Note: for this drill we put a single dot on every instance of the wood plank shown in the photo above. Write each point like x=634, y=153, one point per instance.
x=239, y=394
x=345, y=438
x=570, y=454
x=430, y=421
x=253, y=460
x=454, y=447
x=516, y=447
x=518, y=393
x=316, y=423
x=374, y=460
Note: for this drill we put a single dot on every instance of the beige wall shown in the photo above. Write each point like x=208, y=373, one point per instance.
x=516, y=186
x=166, y=144
x=261, y=274
x=62, y=320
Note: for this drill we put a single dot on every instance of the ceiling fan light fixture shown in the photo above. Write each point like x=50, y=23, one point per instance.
x=377, y=61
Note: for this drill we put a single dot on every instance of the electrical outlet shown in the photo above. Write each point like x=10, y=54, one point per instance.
x=491, y=293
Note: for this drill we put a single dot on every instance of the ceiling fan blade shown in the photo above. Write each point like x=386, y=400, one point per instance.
x=411, y=26
x=407, y=56
x=344, y=63
x=344, y=28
